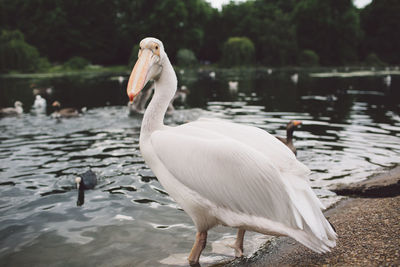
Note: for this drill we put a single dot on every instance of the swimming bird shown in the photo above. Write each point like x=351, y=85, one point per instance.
x=387, y=80
x=212, y=75
x=295, y=78
x=63, y=112
x=224, y=173
x=85, y=181
x=12, y=111
x=121, y=79
x=40, y=105
x=288, y=141
x=233, y=86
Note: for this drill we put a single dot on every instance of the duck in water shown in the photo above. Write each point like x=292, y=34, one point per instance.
x=288, y=141
x=12, y=111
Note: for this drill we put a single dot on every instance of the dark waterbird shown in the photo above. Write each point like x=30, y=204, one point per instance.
x=85, y=181
x=289, y=135
x=63, y=112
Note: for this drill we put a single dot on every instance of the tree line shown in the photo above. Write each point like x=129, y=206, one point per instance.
x=272, y=32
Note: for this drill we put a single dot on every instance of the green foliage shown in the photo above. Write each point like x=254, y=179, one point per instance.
x=179, y=24
x=238, y=51
x=381, y=23
x=269, y=27
x=17, y=55
x=65, y=28
x=186, y=58
x=373, y=60
x=331, y=28
x=281, y=30
x=308, y=58
x=76, y=63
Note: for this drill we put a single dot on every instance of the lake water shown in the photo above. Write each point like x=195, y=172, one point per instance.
x=351, y=129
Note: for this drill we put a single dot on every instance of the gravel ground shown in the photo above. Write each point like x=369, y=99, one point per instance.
x=369, y=235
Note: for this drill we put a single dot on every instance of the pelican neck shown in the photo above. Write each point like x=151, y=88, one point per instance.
x=164, y=90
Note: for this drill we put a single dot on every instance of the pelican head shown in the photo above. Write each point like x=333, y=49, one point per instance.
x=148, y=66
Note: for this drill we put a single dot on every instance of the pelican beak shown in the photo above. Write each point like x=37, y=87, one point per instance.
x=139, y=76
x=296, y=123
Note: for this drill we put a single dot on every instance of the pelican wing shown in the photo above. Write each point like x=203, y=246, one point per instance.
x=240, y=179
x=280, y=155
x=234, y=175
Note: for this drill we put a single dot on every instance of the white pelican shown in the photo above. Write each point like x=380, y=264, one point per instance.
x=224, y=173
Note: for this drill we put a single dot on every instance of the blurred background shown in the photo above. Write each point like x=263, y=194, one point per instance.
x=333, y=64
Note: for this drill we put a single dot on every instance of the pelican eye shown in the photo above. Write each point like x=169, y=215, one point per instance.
x=156, y=47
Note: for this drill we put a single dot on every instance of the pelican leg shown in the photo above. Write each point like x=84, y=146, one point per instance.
x=198, y=246
x=238, y=245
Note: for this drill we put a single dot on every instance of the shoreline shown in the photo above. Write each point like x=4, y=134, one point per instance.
x=368, y=230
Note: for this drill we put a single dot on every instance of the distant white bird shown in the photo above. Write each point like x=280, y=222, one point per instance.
x=212, y=75
x=225, y=173
x=295, y=78
x=121, y=79
x=387, y=80
x=269, y=71
x=233, y=86
x=15, y=111
x=40, y=105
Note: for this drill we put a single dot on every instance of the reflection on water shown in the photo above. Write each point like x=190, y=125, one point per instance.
x=351, y=128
